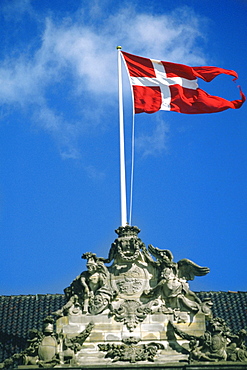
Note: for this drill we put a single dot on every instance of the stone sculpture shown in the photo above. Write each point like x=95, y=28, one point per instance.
x=83, y=289
x=131, y=313
x=173, y=278
x=134, y=275
x=70, y=346
x=130, y=351
x=47, y=348
x=217, y=343
x=237, y=349
x=134, y=305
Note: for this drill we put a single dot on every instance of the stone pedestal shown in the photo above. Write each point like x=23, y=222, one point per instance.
x=155, y=328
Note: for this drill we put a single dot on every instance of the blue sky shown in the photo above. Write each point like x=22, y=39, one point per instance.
x=59, y=146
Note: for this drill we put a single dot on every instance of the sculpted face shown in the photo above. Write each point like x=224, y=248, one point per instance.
x=167, y=273
x=99, y=304
x=126, y=247
x=91, y=266
x=94, y=278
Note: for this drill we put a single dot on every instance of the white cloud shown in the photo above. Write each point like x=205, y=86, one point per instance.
x=86, y=54
x=171, y=37
x=91, y=56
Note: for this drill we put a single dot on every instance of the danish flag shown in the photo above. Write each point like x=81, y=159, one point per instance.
x=158, y=85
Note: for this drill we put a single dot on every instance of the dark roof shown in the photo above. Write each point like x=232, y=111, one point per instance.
x=20, y=313
x=230, y=306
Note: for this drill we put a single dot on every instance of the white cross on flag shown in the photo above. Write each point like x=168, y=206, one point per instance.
x=169, y=86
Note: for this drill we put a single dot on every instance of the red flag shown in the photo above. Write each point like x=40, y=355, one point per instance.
x=169, y=86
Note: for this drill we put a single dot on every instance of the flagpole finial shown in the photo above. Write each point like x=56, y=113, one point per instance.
x=119, y=47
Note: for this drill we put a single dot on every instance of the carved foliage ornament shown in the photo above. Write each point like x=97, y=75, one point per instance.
x=130, y=351
x=131, y=313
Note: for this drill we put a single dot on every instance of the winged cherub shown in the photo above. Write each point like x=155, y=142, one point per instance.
x=173, y=287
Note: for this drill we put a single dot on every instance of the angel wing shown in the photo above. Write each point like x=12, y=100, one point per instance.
x=188, y=269
x=162, y=255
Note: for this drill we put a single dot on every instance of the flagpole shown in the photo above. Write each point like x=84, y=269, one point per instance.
x=121, y=140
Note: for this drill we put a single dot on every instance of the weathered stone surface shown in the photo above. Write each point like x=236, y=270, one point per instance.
x=139, y=309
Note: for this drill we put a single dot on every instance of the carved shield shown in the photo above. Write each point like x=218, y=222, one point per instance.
x=129, y=280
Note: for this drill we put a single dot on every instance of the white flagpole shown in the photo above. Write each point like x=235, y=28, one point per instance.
x=121, y=139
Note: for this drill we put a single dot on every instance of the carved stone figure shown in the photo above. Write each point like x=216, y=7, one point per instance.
x=217, y=344
x=83, y=289
x=30, y=355
x=127, y=247
x=236, y=349
x=173, y=285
